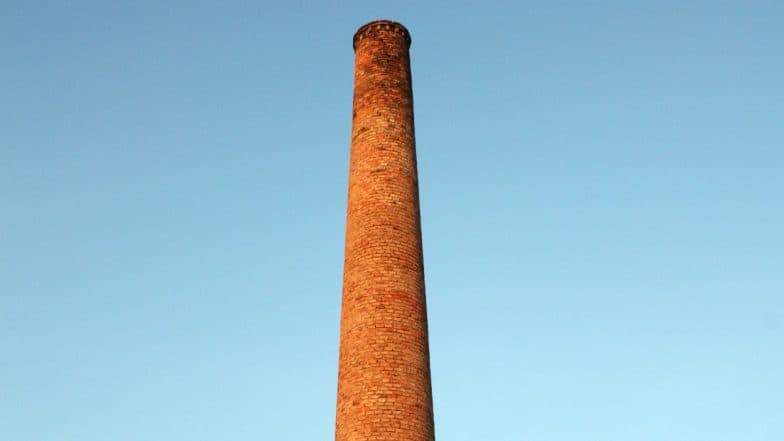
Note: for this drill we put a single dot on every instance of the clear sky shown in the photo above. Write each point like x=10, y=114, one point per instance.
x=601, y=189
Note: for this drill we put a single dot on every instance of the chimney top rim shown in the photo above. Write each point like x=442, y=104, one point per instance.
x=381, y=24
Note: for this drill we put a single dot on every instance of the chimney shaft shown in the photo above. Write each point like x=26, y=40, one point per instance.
x=384, y=390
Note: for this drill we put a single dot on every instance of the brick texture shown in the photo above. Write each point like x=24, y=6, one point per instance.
x=384, y=390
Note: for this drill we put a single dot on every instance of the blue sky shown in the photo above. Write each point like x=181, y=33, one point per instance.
x=601, y=196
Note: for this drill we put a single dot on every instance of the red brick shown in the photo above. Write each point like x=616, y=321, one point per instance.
x=384, y=390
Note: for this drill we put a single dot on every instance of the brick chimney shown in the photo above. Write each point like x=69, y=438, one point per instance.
x=384, y=390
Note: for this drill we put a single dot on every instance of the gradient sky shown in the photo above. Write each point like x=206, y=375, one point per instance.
x=601, y=189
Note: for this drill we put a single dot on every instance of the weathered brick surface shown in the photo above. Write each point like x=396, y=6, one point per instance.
x=384, y=390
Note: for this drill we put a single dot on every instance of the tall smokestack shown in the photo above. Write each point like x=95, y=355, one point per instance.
x=384, y=390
